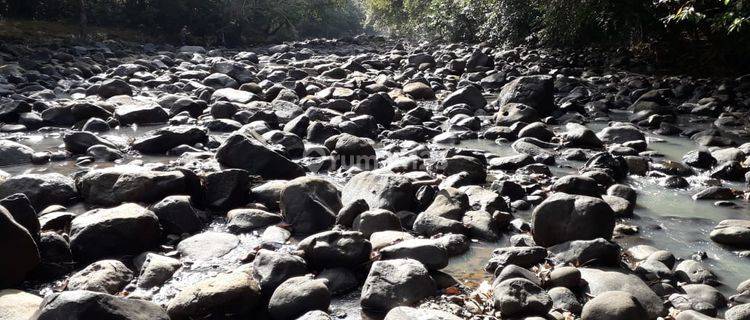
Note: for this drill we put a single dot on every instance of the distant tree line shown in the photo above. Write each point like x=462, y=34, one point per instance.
x=712, y=31
x=228, y=22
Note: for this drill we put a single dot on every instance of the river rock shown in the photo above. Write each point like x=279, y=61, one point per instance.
x=332, y=249
x=16, y=242
x=534, y=91
x=613, y=305
x=107, y=276
x=230, y=293
x=409, y=313
x=129, y=183
x=162, y=140
x=177, y=215
x=431, y=255
x=14, y=153
x=380, y=190
x=601, y=281
x=310, y=204
x=125, y=229
x=563, y=217
x=734, y=233
x=296, y=296
x=42, y=190
x=272, y=268
x=516, y=297
x=242, y=152
x=154, y=270
x=18, y=305
x=395, y=283
x=80, y=304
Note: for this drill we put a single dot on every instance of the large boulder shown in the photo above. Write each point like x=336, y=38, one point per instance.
x=621, y=133
x=78, y=142
x=381, y=191
x=601, y=281
x=310, y=204
x=229, y=293
x=563, y=217
x=332, y=249
x=395, y=283
x=378, y=105
x=534, y=91
x=14, y=153
x=126, y=229
x=42, y=189
x=114, y=87
x=177, y=215
x=80, y=304
x=243, y=152
x=21, y=253
x=129, y=183
x=428, y=252
x=296, y=296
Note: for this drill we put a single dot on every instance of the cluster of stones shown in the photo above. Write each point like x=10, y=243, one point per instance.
x=350, y=149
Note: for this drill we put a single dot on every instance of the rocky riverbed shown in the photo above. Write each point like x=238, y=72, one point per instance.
x=367, y=178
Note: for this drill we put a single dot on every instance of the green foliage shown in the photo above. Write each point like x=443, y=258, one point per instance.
x=230, y=22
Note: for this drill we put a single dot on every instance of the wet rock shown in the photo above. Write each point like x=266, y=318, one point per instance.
x=332, y=249
x=730, y=170
x=614, y=305
x=177, y=215
x=154, y=270
x=42, y=189
x=516, y=297
x=14, y=153
x=162, y=140
x=231, y=293
x=574, y=184
x=129, y=183
x=395, y=283
x=107, y=276
x=248, y=220
x=715, y=193
x=563, y=217
x=16, y=242
x=225, y=189
x=100, y=152
x=20, y=208
x=242, y=152
x=273, y=268
x=114, y=87
x=699, y=158
x=125, y=229
x=78, y=142
x=296, y=296
x=82, y=304
x=620, y=133
x=692, y=271
x=140, y=114
x=16, y=304
x=310, y=204
x=586, y=252
x=734, y=233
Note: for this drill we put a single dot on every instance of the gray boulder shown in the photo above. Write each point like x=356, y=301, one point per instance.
x=80, y=304
x=296, y=296
x=564, y=217
x=310, y=204
x=395, y=283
